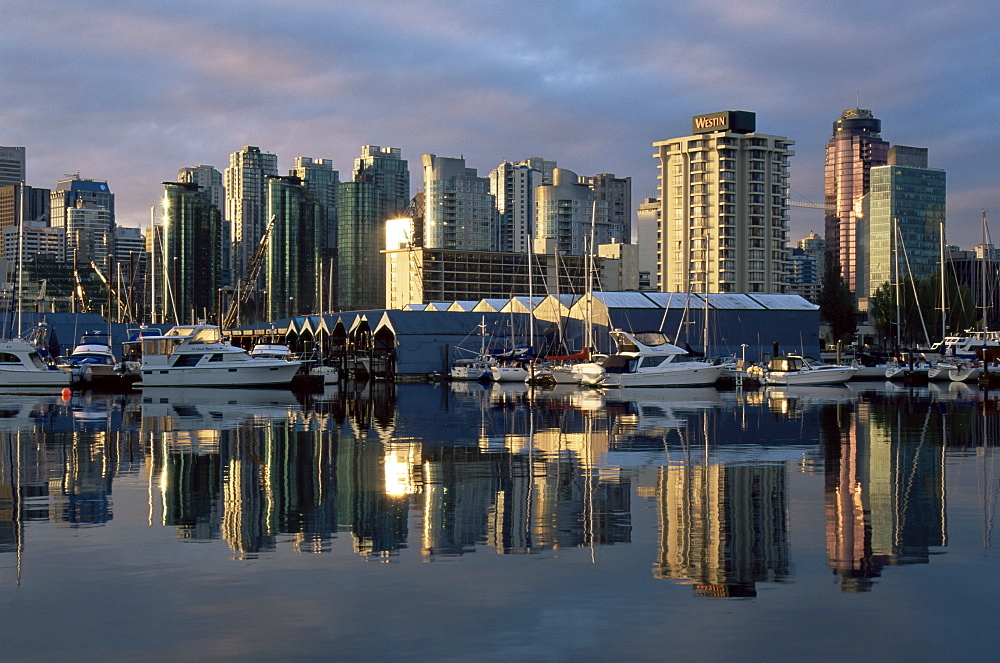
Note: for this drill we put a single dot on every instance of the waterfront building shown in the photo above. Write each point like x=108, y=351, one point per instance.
x=387, y=170
x=34, y=206
x=12, y=162
x=904, y=216
x=459, y=210
x=296, y=248
x=246, y=203
x=724, y=207
x=513, y=187
x=617, y=193
x=855, y=148
x=191, y=253
x=567, y=215
x=425, y=275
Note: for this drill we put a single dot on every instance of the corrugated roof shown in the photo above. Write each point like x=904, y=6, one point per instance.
x=491, y=304
x=463, y=305
x=784, y=302
x=625, y=300
x=671, y=299
x=731, y=301
x=434, y=323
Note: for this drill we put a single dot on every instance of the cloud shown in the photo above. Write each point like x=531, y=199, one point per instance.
x=129, y=92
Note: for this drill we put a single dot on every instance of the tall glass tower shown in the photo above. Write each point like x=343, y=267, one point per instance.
x=295, y=250
x=246, y=202
x=192, y=253
x=856, y=147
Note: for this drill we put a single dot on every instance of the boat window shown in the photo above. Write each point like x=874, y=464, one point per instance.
x=216, y=357
x=207, y=335
x=619, y=364
x=187, y=359
x=650, y=362
x=651, y=338
x=7, y=358
x=180, y=331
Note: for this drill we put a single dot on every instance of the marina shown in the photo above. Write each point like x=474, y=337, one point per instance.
x=487, y=521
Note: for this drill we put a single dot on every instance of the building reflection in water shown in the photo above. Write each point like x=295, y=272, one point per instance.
x=884, y=486
x=514, y=470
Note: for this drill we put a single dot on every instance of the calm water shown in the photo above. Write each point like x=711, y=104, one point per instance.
x=460, y=522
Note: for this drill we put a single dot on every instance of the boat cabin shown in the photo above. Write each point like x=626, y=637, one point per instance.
x=786, y=364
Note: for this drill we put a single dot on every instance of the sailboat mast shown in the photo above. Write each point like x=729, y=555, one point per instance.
x=899, y=307
x=20, y=259
x=944, y=309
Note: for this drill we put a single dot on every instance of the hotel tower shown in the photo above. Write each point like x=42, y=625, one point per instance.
x=723, y=207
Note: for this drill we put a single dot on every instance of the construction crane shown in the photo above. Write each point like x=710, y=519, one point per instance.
x=113, y=291
x=245, y=288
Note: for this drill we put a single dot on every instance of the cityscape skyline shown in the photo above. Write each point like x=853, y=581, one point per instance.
x=307, y=79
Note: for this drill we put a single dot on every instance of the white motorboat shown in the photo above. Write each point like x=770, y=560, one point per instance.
x=92, y=357
x=966, y=372
x=967, y=345
x=22, y=366
x=272, y=351
x=793, y=370
x=471, y=369
x=197, y=355
x=646, y=359
x=509, y=372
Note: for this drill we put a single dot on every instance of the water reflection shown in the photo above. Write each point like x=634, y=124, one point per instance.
x=445, y=470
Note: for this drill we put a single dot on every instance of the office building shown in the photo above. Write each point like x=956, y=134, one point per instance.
x=296, y=248
x=904, y=215
x=211, y=182
x=724, y=207
x=191, y=253
x=38, y=238
x=360, y=238
x=855, y=148
x=649, y=234
x=75, y=206
x=33, y=207
x=459, y=210
x=805, y=267
x=246, y=203
x=12, y=162
x=323, y=182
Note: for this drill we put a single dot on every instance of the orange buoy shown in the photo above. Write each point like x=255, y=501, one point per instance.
x=66, y=393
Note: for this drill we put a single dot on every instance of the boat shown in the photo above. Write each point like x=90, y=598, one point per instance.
x=93, y=365
x=647, y=359
x=197, y=355
x=966, y=372
x=969, y=345
x=793, y=370
x=22, y=366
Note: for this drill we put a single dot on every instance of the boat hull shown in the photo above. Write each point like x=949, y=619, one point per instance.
x=672, y=376
x=819, y=376
x=264, y=373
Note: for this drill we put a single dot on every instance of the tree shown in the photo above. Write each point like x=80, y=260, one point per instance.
x=920, y=314
x=836, y=302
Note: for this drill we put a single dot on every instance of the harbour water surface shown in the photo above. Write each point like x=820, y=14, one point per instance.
x=456, y=522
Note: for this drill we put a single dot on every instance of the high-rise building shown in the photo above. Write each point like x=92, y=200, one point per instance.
x=904, y=216
x=85, y=210
x=805, y=267
x=459, y=209
x=38, y=238
x=191, y=253
x=246, y=203
x=513, y=186
x=617, y=193
x=33, y=207
x=724, y=207
x=649, y=233
x=388, y=171
x=360, y=240
x=565, y=215
x=323, y=182
x=11, y=165
x=211, y=182
x=295, y=250
x=856, y=147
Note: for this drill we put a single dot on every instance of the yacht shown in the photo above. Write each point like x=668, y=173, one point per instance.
x=92, y=364
x=969, y=344
x=22, y=366
x=197, y=355
x=646, y=359
x=475, y=369
x=792, y=370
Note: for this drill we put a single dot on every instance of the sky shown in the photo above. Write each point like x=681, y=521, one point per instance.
x=128, y=92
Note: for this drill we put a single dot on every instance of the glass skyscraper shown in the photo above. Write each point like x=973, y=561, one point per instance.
x=192, y=253
x=295, y=250
x=856, y=147
x=901, y=229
